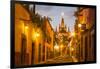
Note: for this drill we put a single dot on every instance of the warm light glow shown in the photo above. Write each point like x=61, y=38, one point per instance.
x=73, y=34
x=56, y=47
x=61, y=46
x=72, y=49
x=36, y=34
x=79, y=25
x=26, y=27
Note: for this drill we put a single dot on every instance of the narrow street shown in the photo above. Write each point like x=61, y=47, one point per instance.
x=57, y=36
x=62, y=59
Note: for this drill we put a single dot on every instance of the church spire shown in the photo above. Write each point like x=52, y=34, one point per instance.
x=68, y=29
x=62, y=22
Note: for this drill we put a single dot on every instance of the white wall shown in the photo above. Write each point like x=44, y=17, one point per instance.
x=5, y=34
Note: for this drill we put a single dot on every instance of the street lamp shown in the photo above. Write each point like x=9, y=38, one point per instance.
x=56, y=47
x=72, y=49
x=26, y=27
x=79, y=25
x=36, y=35
x=82, y=27
x=73, y=34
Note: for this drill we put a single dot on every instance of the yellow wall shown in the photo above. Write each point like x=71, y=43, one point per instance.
x=23, y=25
x=50, y=32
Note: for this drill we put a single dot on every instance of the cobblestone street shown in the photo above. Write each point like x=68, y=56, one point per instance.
x=62, y=59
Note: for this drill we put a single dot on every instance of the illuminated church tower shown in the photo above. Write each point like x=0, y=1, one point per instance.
x=62, y=37
x=62, y=27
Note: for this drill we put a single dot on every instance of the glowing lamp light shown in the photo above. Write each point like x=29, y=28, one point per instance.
x=36, y=34
x=72, y=49
x=56, y=47
x=26, y=27
x=73, y=33
x=79, y=25
x=61, y=46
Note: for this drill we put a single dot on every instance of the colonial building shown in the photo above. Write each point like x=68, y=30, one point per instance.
x=85, y=29
x=49, y=38
x=23, y=24
x=33, y=36
x=62, y=37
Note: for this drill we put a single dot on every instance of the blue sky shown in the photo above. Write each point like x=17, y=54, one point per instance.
x=55, y=13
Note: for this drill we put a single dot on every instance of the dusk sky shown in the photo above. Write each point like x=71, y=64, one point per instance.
x=56, y=13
